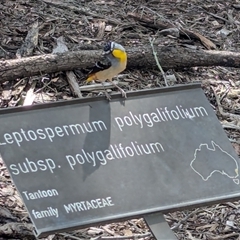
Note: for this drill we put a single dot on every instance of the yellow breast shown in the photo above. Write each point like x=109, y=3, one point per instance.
x=121, y=55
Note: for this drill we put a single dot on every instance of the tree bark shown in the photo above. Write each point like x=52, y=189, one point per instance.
x=170, y=57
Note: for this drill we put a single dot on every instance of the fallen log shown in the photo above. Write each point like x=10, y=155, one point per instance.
x=170, y=57
x=160, y=25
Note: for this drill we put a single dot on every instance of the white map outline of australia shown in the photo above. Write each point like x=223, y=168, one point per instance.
x=213, y=148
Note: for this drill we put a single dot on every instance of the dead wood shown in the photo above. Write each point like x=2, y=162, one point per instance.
x=30, y=42
x=82, y=10
x=71, y=77
x=160, y=25
x=19, y=230
x=170, y=57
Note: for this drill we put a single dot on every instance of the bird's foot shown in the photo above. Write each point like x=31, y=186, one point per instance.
x=108, y=96
x=124, y=94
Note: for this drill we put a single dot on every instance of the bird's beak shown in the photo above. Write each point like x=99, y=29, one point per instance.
x=106, y=53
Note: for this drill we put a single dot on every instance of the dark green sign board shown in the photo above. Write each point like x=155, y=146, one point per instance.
x=84, y=162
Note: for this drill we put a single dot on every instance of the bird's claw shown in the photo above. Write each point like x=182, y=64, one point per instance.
x=108, y=96
x=124, y=94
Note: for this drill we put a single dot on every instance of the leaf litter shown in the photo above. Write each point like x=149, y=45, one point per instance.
x=29, y=27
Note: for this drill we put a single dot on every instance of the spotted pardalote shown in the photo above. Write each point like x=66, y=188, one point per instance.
x=117, y=57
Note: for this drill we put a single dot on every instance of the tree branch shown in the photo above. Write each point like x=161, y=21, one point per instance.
x=171, y=57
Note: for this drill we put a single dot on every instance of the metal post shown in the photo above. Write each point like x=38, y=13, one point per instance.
x=159, y=227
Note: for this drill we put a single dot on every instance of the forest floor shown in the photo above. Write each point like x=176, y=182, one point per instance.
x=88, y=25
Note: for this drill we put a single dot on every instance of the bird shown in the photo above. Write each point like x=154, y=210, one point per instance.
x=117, y=57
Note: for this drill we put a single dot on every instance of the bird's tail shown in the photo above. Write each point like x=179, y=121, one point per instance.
x=94, y=70
x=91, y=77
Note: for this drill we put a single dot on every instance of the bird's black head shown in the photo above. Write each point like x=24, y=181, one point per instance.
x=107, y=47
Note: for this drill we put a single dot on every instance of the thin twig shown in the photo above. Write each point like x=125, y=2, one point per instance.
x=70, y=236
x=214, y=15
x=154, y=12
x=156, y=59
x=99, y=86
x=72, y=80
x=220, y=108
x=30, y=96
x=184, y=219
x=226, y=236
x=124, y=237
x=234, y=141
x=231, y=126
x=82, y=10
x=190, y=236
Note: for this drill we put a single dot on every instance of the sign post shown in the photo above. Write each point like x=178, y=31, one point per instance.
x=88, y=161
x=159, y=227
